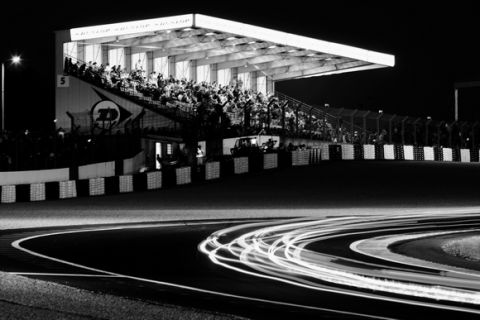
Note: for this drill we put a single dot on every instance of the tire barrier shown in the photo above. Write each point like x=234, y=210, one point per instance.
x=240, y=165
x=456, y=155
x=418, y=154
x=170, y=176
x=324, y=152
x=154, y=180
x=465, y=155
x=358, y=152
x=379, y=154
x=389, y=152
x=428, y=154
x=9, y=194
x=184, y=175
x=335, y=151
x=96, y=186
x=125, y=184
x=399, y=152
x=67, y=189
x=37, y=192
x=315, y=155
x=348, y=152
x=270, y=161
x=438, y=153
x=368, y=152
x=300, y=158
x=212, y=170
x=474, y=156
x=408, y=153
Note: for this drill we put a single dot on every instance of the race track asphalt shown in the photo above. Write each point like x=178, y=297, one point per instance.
x=170, y=254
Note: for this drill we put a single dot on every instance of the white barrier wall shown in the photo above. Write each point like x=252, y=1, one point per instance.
x=96, y=170
x=428, y=154
x=134, y=164
x=389, y=152
x=183, y=175
x=240, y=165
x=212, y=170
x=9, y=194
x=408, y=153
x=368, y=152
x=325, y=155
x=348, y=152
x=300, y=158
x=33, y=176
x=154, y=180
x=270, y=161
x=37, y=192
x=125, y=183
x=67, y=189
x=447, y=154
x=465, y=155
x=96, y=186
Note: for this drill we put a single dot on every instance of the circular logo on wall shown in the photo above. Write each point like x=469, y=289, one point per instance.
x=106, y=111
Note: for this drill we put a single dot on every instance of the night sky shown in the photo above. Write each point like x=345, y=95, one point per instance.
x=434, y=46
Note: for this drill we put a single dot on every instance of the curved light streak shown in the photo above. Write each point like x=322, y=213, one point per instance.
x=281, y=251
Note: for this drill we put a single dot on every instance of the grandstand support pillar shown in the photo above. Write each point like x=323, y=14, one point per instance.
x=283, y=116
x=81, y=52
x=296, y=118
x=268, y=113
x=462, y=134
x=3, y=98
x=364, y=133
x=270, y=86
x=193, y=70
x=253, y=81
x=246, y=115
x=171, y=66
x=415, y=131
x=310, y=129
x=352, y=121
x=427, y=124
x=456, y=104
x=403, y=129
x=450, y=127
x=474, y=140
x=104, y=51
x=234, y=75
x=149, y=63
x=390, y=121
x=128, y=59
x=380, y=115
x=213, y=72
x=439, y=132
x=339, y=117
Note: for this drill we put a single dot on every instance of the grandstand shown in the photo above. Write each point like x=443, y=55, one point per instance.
x=108, y=75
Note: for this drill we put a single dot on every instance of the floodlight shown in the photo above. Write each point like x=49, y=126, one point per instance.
x=16, y=59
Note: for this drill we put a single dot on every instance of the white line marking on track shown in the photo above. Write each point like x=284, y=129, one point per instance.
x=16, y=244
x=64, y=274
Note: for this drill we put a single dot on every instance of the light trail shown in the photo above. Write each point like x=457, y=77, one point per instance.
x=108, y=274
x=281, y=251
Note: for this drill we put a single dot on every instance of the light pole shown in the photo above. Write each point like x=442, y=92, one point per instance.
x=13, y=60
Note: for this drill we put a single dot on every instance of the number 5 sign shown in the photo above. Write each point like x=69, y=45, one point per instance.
x=63, y=81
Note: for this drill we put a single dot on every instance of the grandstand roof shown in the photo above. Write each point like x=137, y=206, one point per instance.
x=208, y=40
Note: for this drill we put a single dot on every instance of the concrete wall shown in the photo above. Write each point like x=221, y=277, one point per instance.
x=33, y=176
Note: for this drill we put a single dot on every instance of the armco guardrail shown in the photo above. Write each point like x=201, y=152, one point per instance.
x=227, y=166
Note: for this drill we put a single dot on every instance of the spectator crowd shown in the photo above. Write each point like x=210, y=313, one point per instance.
x=231, y=105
